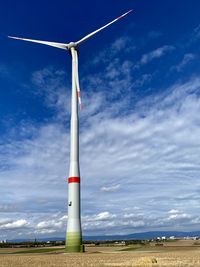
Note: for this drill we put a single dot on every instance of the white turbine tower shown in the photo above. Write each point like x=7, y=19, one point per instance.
x=74, y=233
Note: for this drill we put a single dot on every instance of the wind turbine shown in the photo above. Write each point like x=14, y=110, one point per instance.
x=74, y=233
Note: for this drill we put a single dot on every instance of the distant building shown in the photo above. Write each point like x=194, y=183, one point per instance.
x=120, y=243
x=191, y=238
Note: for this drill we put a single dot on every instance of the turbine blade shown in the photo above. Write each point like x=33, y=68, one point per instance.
x=94, y=32
x=58, y=45
x=77, y=83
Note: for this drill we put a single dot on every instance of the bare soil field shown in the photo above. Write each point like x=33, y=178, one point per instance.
x=184, y=254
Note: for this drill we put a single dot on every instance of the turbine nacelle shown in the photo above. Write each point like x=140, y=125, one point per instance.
x=71, y=44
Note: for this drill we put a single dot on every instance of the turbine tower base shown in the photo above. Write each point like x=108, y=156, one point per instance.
x=75, y=249
x=74, y=243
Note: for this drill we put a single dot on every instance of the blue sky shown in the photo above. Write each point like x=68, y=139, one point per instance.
x=139, y=129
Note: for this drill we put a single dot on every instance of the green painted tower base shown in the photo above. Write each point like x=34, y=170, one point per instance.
x=74, y=243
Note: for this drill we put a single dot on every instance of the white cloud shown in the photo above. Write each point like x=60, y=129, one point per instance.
x=14, y=224
x=157, y=53
x=51, y=85
x=102, y=216
x=184, y=62
x=45, y=224
x=122, y=44
x=111, y=188
x=63, y=218
x=45, y=231
x=134, y=215
x=173, y=211
x=53, y=223
x=179, y=216
x=196, y=33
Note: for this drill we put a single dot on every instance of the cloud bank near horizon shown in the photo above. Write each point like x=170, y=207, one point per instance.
x=146, y=162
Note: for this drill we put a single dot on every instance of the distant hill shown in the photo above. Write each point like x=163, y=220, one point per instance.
x=138, y=236
x=145, y=235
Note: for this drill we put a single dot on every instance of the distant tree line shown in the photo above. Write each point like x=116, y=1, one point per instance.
x=31, y=244
x=113, y=242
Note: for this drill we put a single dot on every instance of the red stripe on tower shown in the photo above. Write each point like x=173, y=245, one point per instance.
x=74, y=180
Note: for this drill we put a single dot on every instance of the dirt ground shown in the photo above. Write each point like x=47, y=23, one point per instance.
x=182, y=254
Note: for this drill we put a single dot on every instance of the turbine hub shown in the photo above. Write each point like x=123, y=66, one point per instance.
x=70, y=45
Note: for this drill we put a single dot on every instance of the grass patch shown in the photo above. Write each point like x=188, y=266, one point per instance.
x=38, y=250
